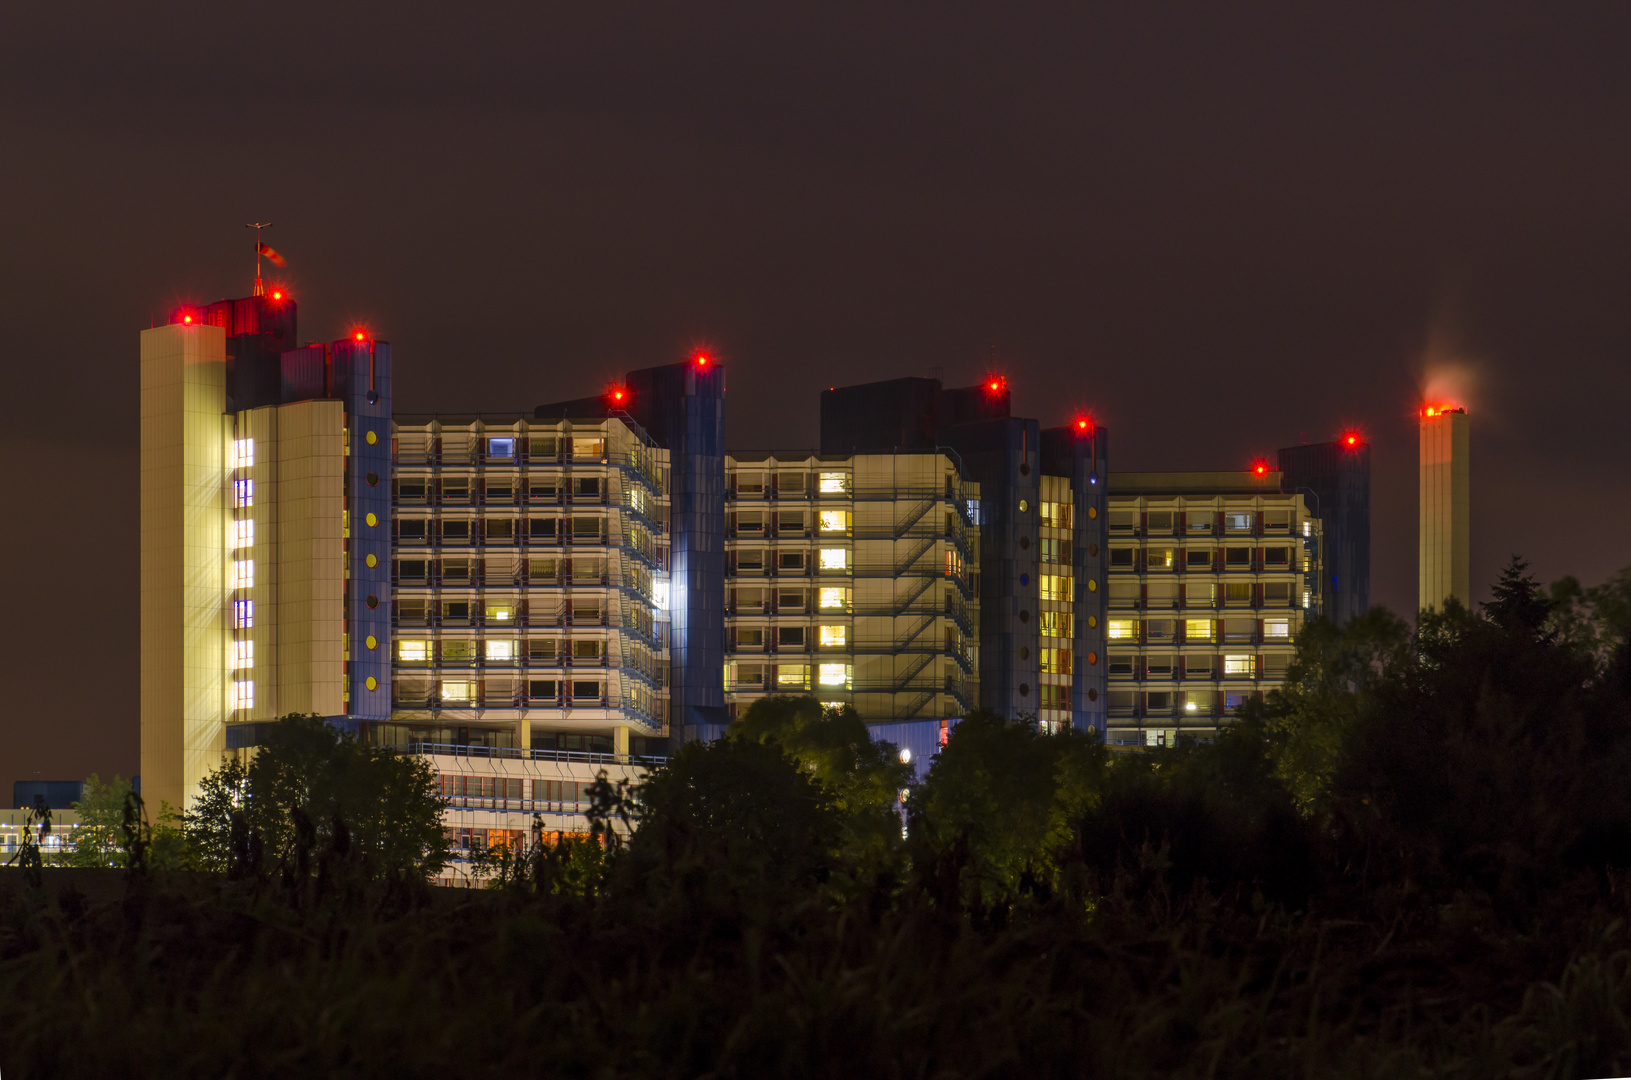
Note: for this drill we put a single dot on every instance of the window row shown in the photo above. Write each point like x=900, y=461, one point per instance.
x=587, y=529
x=1204, y=560
x=752, y=677
x=754, y=601
x=1201, y=630
x=548, y=650
x=455, y=786
x=1168, y=701
x=747, y=523
x=1201, y=522
x=1198, y=665
x=1155, y=594
x=785, y=483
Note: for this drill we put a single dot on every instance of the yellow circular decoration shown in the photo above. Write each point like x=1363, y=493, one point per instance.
x=1023, y=506
x=1092, y=621
x=372, y=438
x=371, y=561
x=373, y=642
x=1092, y=511
x=372, y=683
x=372, y=520
x=1092, y=586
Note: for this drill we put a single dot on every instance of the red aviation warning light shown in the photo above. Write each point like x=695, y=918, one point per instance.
x=1260, y=467
x=359, y=335
x=187, y=318
x=1082, y=425
x=995, y=384
x=701, y=359
x=1350, y=439
x=618, y=397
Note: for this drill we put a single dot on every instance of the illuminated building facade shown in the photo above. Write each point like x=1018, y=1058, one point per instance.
x=1040, y=516
x=855, y=579
x=1444, y=568
x=265, y=533
x=1211, y=577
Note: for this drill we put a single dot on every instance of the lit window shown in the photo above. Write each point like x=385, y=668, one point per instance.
x=1057, y=587
x=1056, y=624
x=243, y=614
x=1198, y=629
x=1277, y=628
x=1308, y=528
x=834, y=636
x=1239, y=665
x=793, y=676
x=243, y=654
x=500, y=448
x=500, y=612
x=243, y=533
x=1236, y=521
x=243, y=574
x=833, y=599
x=242, y=454
x=834, y=674
x=1121, y=629
x=413, y=651
x=833, y=521
x=1056, y=662
x=501, y=650
x=1306, y=596
x=834, y=558
x=243, y=694
x=457, y=691
x=833, y=483
x=243, y=493
x=659, y=595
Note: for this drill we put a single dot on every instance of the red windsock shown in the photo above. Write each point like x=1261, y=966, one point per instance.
x=271, y=256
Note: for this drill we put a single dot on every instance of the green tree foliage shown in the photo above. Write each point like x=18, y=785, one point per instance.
x=864, y=779
x=312, y=788
x=998, y=810
x=97, y=840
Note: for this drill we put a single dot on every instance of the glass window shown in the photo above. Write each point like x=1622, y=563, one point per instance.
x=834, y=636
x=1160, y=558
x=793, y=676
x=1198, y=701
x=1123, y=520
x=243, y=533
x=590, y=447
x=790, y=635
x=1277, y=628
x=243, y=654
x=833, y=521
x=834, y=558
x=243, y=694
x=1198, y=559
x=1057, y=662
x=586, y=689
x=1121, y=558
x=1057, y=624
x=500, y=611
x=243, y=614
x=1238, y=521
x=1057, y=587
x=834, y=675
x=1198, y=629
x=834, y=599
x=833, y=483
x=1121, y=629
x=243, y=574
x=242, y=454
x=458, y=690
x=1199, y=521
x=500, y=650
x=243, y=493
x=1239, y=665
x=501, y=448
x=413, y=652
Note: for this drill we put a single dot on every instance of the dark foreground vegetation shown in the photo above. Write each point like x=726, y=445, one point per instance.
x=1416, y=861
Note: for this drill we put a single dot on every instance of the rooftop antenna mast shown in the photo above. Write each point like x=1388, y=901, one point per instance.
x=260, y=288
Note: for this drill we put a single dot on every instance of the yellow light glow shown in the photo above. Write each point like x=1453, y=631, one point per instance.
x=834, y=636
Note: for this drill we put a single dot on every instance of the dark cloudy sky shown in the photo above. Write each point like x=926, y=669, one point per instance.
x=1223, y=229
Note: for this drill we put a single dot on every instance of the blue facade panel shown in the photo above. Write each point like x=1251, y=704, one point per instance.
x=360, y=375
x=683, y=408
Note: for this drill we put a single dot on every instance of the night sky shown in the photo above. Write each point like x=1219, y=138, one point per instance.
x=1222, y=231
